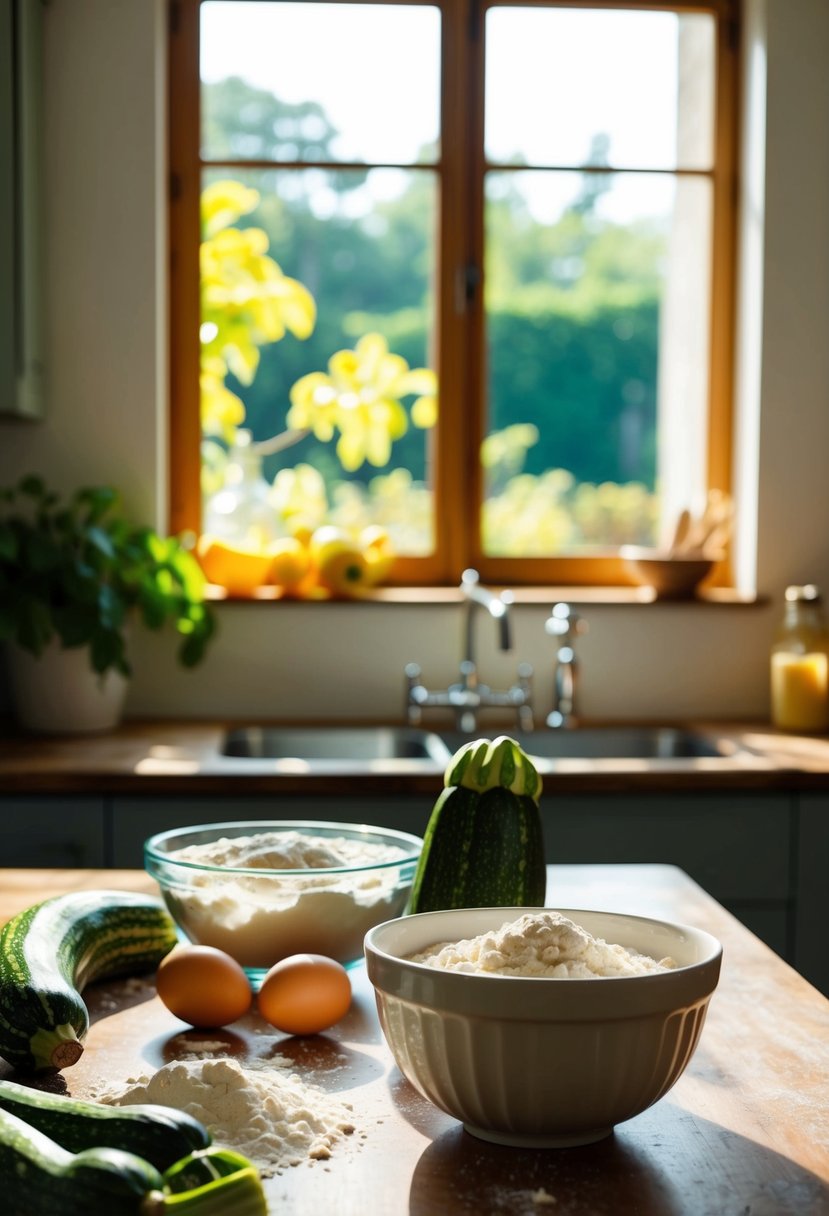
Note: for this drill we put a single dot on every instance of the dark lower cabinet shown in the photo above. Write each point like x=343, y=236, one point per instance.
x=765, y=857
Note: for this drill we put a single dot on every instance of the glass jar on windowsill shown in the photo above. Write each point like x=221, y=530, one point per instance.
x=800, y=664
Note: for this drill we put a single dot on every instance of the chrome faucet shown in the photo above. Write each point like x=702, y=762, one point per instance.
x=496, y=605
x=564, y=624
x=468, y=696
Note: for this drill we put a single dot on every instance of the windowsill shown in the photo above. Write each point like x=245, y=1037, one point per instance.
x=627, y=596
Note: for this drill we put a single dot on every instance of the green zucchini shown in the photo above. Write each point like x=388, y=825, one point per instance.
x=159, y=1134
x=214, y=1182
x=51, y=951
x=40, y=1178
x=484, y=844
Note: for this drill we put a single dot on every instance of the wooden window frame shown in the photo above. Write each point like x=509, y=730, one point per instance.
x=459, y=341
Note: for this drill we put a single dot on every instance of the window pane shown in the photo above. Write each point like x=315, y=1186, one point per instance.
x=321, y=193
x=573, y=87
x=320, y=82
x=359, y=245
x=597, y=332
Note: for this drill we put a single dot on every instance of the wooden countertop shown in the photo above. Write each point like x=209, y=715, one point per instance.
x=745, y=1130
x=183, y=757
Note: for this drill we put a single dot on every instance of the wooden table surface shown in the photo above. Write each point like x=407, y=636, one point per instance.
x=745, y=1132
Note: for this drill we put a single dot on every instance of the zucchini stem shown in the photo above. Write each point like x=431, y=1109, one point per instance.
x=237, y=1194
x=56, y=1046
x=213, y=1182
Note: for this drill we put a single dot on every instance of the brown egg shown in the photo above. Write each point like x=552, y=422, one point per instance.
x=305, y=994
x=203, y=986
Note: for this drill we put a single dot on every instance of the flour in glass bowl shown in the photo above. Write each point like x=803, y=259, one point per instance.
x=259, y=919
x=544, y=944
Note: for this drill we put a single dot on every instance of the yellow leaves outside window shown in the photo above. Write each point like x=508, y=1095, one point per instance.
x=360, y=397
x=246, y=302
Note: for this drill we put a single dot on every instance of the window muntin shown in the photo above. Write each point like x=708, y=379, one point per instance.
x=460, y=345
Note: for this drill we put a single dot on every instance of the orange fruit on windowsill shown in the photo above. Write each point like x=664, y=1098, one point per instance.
x=239, y=568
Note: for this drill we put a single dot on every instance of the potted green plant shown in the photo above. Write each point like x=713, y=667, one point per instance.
x=74, y=574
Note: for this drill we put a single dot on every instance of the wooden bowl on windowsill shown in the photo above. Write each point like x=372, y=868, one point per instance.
x=673, y=576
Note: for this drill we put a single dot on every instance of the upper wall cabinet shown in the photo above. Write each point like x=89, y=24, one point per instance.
x=21, y=288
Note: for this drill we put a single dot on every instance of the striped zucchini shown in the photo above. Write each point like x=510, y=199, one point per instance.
x=40, y=1178
x=484, y=844
x=51, y=951
x=159, y=1134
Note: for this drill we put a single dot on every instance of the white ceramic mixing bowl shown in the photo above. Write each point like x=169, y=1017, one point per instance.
x=541, y=1061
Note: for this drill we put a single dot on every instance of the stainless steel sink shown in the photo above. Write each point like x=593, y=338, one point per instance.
x=356, y=749
x=335, y=743
x=612, y=743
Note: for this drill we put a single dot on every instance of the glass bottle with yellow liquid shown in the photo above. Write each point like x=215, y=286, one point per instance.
x=800, y=664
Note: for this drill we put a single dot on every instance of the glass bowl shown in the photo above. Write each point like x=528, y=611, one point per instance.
x=262, y=890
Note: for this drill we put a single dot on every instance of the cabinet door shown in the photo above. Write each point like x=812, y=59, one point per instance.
x=811, y=952
x=136, y=819
x=52, y=832
x=737, y=847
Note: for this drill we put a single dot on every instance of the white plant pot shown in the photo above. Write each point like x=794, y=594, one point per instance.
x=59, y=693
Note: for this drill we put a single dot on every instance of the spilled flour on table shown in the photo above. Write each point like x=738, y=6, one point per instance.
x=258, y=1108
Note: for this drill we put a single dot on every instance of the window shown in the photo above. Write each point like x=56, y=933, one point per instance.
x=463, y=270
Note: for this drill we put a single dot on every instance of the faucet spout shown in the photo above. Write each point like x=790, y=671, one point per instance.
x=468, y=695
x=496, y=605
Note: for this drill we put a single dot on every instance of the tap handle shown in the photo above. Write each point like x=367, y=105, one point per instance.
x=414, y=683
x=565, y=687
x=564, y=623
x=523, y=697
x=469, y=675
x=414, y=694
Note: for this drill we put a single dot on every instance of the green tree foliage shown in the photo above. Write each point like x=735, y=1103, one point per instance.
x=585, y=380
x=243, y=122
x=572, y=305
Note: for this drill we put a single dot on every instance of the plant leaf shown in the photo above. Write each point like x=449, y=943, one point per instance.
x=32, y=486
x=97, y=500
x=34, y=625
x=9, y=546
x=42, y=552
x=102, y=541
x=75, y=624
x=108, y=650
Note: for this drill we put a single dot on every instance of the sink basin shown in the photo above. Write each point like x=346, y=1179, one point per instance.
x=611, y=743
x=313, y=743
x=409, y=748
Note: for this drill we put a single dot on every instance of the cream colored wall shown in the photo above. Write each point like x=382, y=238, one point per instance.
x=104, y=229
x=102, y=115
x=793, y=517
